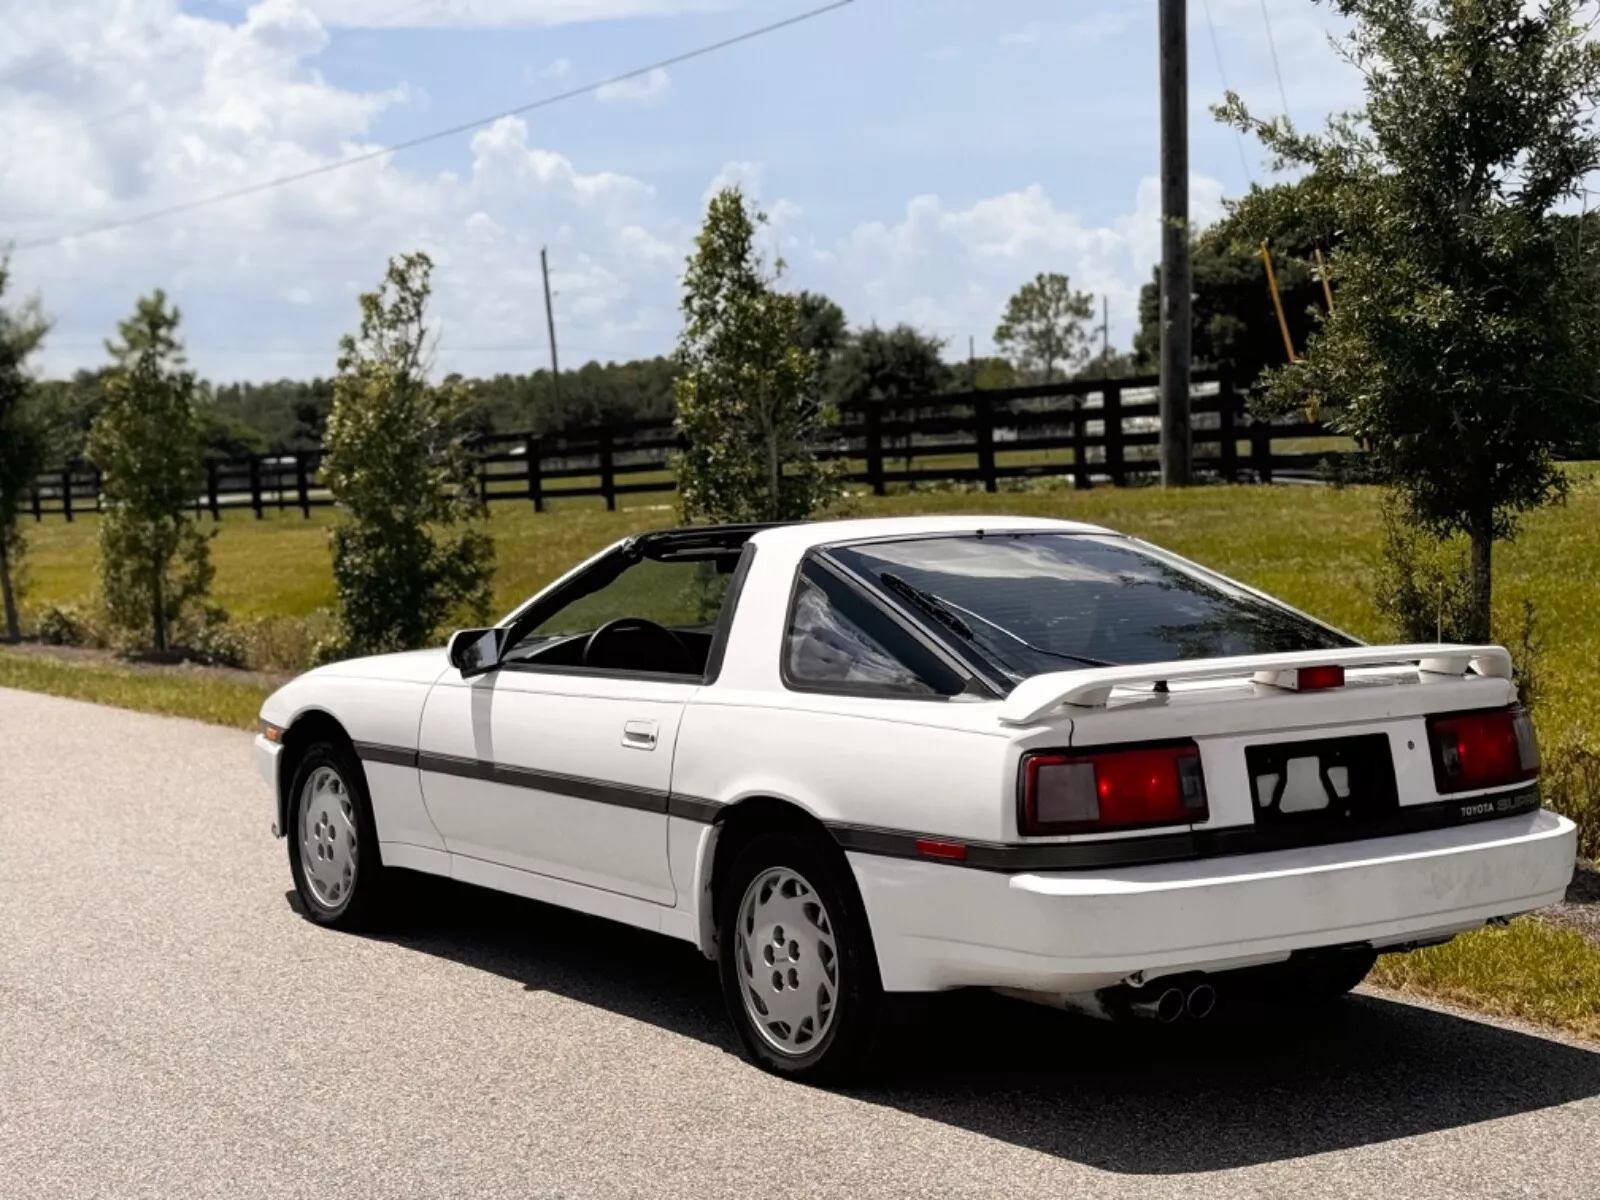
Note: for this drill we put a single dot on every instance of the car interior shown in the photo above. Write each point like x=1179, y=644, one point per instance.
x=653, y=606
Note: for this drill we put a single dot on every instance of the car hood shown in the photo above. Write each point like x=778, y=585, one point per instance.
x=411, y=666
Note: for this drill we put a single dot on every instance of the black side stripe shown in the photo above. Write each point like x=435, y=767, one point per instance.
x=620, y=794
x=389, y=755
x=598, y=791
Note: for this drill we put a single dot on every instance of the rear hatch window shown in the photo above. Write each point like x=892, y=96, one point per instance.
x=1033, y=603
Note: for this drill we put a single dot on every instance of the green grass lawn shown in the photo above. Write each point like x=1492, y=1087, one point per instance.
x=1314, y=547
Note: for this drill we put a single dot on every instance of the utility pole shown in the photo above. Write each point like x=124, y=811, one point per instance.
x=1177, y=284
x=1105, y=336
x=550, y=323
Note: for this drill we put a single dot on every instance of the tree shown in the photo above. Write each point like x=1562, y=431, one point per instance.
x=1236, y=329
x=821, y=328
x=749, y=404
x=408, y=552
x=1043, y=328
x=22, y=440
x=154, y=561
x=1461, y=348
x=889, y=364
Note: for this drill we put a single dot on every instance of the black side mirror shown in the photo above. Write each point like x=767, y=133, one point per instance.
x=476, y=651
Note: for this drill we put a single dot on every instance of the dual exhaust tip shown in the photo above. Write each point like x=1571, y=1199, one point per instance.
x=1173, y=1002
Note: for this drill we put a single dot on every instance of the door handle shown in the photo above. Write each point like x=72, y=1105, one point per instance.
x=639, y=735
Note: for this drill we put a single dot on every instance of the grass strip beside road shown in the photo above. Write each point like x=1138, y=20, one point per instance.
x=218, y=698
x=1529, y=971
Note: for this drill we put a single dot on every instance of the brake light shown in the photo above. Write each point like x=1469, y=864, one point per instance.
x=1113, y=789
x=1483, y=750
x=1318, y=679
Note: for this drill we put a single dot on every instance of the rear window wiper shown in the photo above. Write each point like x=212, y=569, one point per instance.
x=950, y=616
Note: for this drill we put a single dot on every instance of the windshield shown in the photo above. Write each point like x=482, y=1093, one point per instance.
x=1033, y=603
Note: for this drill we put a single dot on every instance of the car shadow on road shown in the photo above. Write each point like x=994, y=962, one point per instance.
x=1136, y=1099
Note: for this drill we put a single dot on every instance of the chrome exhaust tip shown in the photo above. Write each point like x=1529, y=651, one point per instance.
x=1166, y=1007
x=1201, y=1002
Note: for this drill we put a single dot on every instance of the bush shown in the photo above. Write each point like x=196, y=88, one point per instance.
x=1571, y=784
x=210, y=640
x=60, y=626
x=286, y=643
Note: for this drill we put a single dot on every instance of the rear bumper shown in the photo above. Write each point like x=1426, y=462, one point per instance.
x=937, y=926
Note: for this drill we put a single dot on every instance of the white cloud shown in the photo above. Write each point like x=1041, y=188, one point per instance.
x=952, y=269
x=395, y=14
x=641, y=89
x=559, y=69
x=742, y=174
x=267, y=283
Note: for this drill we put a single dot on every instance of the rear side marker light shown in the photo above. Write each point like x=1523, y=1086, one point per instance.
x=1129, y=788
x=1472, y=751
x=948, y=851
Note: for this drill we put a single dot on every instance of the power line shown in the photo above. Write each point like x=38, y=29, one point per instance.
x=1272, y=47
x=411, y=143
x=1222, y=75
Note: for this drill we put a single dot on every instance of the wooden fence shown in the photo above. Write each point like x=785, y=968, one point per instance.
x=1089, y=431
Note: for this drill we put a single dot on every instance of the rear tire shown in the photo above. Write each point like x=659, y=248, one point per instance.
x=799, y=972
x=333, y=840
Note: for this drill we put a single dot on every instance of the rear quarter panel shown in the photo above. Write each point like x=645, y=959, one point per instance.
x=939, y=768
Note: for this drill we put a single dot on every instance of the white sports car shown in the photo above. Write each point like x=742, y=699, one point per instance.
x=853, y=758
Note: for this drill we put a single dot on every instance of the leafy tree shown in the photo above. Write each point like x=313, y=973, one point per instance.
x=748, y=401
x=1236, y=329
x=155, y=563
x=407, y=552
x=1460, y=350
x=822, y=328
x=890, y=364
x=1044, y=327
x=22, y=439
x=982, y=374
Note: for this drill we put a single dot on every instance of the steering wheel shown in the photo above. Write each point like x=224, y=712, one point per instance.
x=633, y=643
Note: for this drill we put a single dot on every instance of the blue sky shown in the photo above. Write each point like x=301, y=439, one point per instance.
x=920, y=158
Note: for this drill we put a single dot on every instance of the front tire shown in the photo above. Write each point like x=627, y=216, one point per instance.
x=799, y=973
x=333, y=841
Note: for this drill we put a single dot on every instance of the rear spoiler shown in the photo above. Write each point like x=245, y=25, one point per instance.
x=1035, y=697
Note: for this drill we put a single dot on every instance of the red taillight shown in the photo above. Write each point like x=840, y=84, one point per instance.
x=1483, y=750
x=1113, y=789
x=1320, y=679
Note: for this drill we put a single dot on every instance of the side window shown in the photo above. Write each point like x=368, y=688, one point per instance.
x=838, y=640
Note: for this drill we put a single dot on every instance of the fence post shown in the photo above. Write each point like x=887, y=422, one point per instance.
x=1080, y=444
x=255, y=485
x=66, y=494
x=608, y=479
x=983, y=410
x=1113, y=423
x=1227, y=433
x=211, y=489
x=300, y=483
x=874, y=447
x=38, y=508
x=1261, y=450
x=533, y=448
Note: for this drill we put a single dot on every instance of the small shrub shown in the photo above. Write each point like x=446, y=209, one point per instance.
x=60, y=626
x=211, y=640
x=286, y=643
x=1571, y=785
x=1424, y=585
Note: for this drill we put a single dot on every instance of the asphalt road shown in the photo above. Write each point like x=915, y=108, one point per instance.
x=170, y=1027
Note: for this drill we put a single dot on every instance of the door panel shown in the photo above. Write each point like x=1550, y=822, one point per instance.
x=564, y=775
